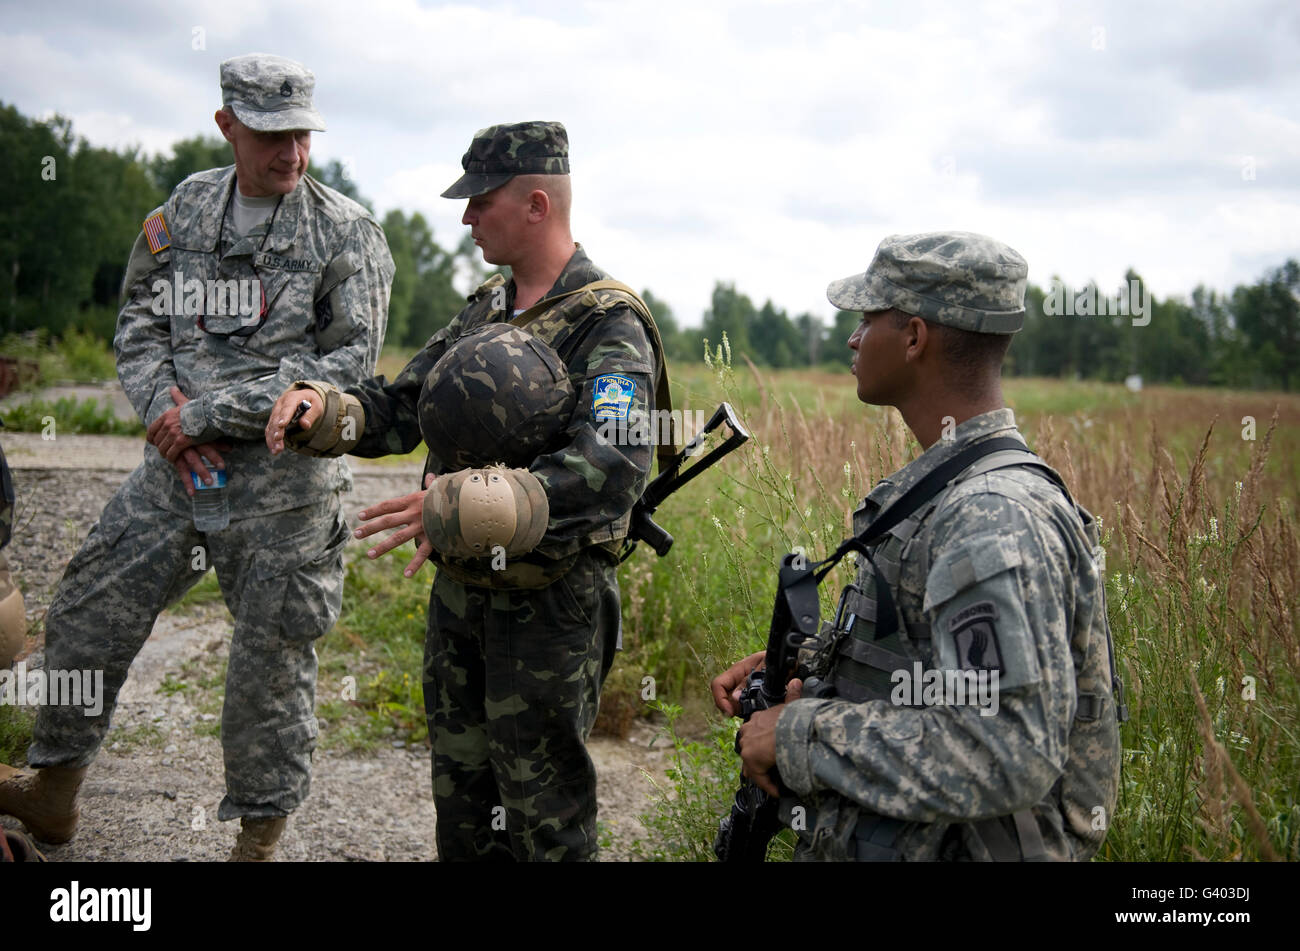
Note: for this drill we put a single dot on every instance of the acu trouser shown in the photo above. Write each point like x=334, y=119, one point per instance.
x=282, y=578
x=511, y=684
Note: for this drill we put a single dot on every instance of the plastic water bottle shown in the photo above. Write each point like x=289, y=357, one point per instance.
x=211, y=506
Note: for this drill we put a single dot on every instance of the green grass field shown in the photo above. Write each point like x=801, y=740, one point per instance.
x=1197, y=492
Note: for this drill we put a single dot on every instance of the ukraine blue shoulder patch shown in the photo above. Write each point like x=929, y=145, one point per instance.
x=613, y=397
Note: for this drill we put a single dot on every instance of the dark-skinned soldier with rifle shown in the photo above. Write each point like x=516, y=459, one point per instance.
x=963, y=704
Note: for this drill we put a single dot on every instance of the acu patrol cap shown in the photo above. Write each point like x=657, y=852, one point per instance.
x=955, y=278
x=500, y=152
x=270, y=93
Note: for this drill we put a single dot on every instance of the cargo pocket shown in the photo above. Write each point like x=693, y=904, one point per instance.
x=295, y=590
x=298, y=739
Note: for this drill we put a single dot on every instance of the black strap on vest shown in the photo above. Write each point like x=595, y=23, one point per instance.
x=911, y=500
x=917, y=496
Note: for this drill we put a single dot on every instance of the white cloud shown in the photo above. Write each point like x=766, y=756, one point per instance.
x=770, y=144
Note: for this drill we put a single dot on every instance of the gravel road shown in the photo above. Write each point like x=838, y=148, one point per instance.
x=152, y=793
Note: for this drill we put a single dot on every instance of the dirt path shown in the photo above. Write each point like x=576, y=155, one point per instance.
x=152, y=793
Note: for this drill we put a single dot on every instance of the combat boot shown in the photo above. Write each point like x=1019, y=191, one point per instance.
x=257, y=839
x=44, y=800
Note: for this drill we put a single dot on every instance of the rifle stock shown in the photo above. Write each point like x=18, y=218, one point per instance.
x=672, y=477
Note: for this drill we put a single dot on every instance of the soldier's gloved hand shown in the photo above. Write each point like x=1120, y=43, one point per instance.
x=283, y=411
x=191, y=460
x=404, y=513
x=333, y=423
x=727, y=685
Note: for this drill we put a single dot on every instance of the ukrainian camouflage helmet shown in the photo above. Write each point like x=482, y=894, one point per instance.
x=498, y=395
x=500, y=152
x=956, y=278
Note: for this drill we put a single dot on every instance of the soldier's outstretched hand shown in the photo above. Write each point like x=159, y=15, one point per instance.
x=405, y=513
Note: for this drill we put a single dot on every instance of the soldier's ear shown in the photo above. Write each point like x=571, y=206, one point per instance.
x=225, y=122
x=539, y=205
x=920, y=335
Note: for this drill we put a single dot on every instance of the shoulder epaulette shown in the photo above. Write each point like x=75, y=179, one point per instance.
x=496, y=280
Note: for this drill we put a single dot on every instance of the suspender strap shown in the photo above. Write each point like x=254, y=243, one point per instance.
x=909, y=502
x=624, y=294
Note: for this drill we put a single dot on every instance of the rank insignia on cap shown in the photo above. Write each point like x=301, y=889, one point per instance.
x=155, y=231
x=286, y=89
x=613, y=397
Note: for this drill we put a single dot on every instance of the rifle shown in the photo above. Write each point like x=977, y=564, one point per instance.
x=672, y=477
x=743, y=835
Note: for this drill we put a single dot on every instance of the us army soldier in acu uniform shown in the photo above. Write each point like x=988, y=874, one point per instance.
x=996, y=573
x=203, y=378
x=518, y=644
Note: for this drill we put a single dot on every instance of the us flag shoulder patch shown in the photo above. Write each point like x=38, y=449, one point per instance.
x=155, y=232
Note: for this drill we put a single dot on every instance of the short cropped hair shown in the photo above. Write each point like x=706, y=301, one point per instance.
x=965, y=351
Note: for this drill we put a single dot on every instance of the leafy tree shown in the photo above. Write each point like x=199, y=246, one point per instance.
x=1268, y=313
x=678, y=344
x=730, y=313
x=335, y=175
x=423, y=297
x=195, y=154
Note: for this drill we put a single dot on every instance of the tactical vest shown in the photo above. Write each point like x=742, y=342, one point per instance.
x=563, y=322
x=852, y=663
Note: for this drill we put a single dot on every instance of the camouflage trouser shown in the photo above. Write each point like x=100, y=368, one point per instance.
x=282, y=578
x=511, y=684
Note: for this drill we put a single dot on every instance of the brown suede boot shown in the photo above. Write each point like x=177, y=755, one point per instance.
x=44, y=800
x=257, y=839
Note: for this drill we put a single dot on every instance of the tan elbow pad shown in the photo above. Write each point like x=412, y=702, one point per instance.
x=337, y=430
x=469, y=513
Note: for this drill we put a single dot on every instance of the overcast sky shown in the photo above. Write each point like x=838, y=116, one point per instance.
x=770, y=144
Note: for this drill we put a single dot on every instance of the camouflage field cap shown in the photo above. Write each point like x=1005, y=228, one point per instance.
x=498, y=395
x=270, y=93
x=956, y=278
x=500, y=152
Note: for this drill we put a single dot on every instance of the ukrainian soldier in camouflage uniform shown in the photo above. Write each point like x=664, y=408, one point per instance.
x=517, y=648
x=998, y=575
x=203, y=377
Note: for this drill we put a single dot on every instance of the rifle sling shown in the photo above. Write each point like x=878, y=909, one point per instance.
x=905, y=505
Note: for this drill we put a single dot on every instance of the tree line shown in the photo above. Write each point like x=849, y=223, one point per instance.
x=72, y=210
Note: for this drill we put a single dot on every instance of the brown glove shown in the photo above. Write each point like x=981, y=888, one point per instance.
x=337, y=430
